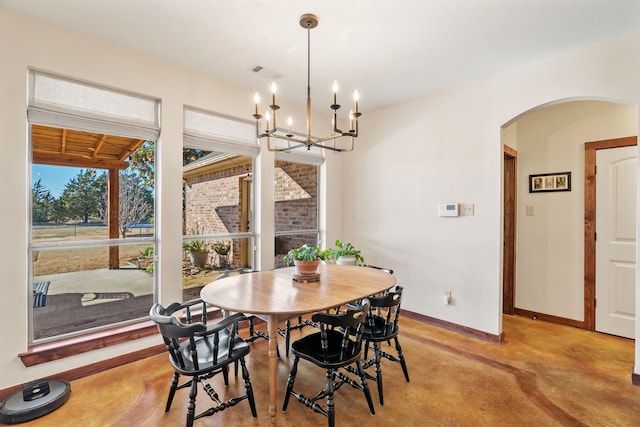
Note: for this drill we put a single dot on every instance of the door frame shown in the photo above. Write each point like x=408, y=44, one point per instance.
x=510, y=170
x=590, y=222
x=246, y=219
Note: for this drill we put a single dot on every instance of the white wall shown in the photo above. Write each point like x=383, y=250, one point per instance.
x=550, y=243
x=447, y=147
x=410, y=157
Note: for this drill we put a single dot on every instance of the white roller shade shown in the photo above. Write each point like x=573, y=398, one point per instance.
x=61, y=102
x=208, y=131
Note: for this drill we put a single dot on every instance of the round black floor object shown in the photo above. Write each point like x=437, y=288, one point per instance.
x=36, y=399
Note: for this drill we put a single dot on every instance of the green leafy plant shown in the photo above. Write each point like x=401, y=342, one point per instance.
x=147, y=252
x=222, y=248
x=146, y=260
x=306, y=253
x=346, y=249
x=195, y=246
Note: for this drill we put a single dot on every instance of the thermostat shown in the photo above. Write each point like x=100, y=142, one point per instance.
x=448, y=209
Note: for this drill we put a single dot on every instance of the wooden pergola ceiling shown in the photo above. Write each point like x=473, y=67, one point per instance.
x=76, y=148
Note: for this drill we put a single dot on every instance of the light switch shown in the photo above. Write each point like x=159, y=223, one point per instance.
x=530, y=211
x=466, y=209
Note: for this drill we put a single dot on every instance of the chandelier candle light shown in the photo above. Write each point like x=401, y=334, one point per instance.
x=307, y=21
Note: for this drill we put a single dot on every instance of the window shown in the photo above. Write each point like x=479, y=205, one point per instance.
x=218, y=159
x=296, y=201
x=92, y=237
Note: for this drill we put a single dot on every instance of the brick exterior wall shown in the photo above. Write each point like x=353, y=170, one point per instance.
x=213, y=206
x=296, y=203
x=213, y=203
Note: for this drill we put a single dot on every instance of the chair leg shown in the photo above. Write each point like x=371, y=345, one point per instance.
x=248, y=388
x=286, y=333
x=172, y=391
x=331, y=410
x=402, y=362
x=287, y=337
x=376, y=356
x=365, y=387
x=292, y=378
x=225, y=375
x=251, y=330
x=191, y=409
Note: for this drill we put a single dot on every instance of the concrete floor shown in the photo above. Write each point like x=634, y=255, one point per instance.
x=542, y=375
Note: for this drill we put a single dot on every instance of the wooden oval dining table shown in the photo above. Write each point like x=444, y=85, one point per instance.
x=274, y=296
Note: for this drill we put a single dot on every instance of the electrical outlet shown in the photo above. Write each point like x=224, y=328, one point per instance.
x=446, y=298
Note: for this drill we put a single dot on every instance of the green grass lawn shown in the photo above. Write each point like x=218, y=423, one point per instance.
x=93, y=258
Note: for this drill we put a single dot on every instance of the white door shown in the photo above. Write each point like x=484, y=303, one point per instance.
x=616, y=240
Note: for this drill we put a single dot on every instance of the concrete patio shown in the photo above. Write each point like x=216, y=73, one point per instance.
x=92, y=298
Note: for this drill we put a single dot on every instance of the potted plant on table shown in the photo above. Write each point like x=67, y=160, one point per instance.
x=306, y=259
x=346, y=254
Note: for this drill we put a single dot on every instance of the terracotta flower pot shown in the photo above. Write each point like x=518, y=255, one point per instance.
x=306, y=268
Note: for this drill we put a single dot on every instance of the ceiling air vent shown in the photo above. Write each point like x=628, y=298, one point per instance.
x=266, y=73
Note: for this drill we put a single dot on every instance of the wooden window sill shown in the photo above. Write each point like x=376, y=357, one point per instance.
x=54, y=350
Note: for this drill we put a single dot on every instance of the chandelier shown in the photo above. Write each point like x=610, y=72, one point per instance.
x=271, y=130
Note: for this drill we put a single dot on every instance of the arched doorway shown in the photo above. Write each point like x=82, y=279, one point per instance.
x=549, y=269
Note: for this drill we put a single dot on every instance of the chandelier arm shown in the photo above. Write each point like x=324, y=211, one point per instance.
x=287, y=138
x=312, y=141
x=293, y=147
x=339, y=150
x=326, y=138
x=302, y=143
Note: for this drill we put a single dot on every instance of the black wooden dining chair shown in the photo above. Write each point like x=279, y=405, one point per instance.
x=337, y=345
x=302, y=322
x=355, y=303
x=381, y=325
x=200, y=351
x=289, y=327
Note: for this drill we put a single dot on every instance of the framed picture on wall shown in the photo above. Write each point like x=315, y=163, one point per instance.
x=545, y=182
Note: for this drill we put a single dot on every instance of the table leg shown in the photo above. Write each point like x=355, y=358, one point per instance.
x=272, y=325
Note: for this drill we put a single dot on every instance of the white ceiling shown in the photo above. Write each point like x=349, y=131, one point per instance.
x=389, y=50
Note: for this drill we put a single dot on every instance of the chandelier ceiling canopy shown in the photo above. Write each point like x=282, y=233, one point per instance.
x=269, y=119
